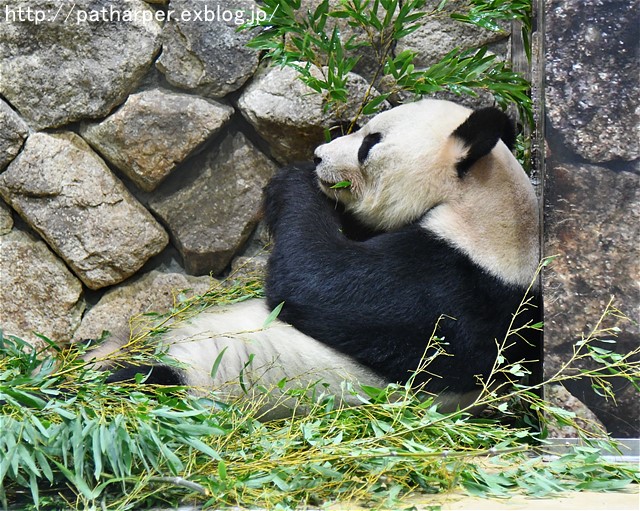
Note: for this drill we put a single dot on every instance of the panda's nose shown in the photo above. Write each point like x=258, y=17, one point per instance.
x=317, y=160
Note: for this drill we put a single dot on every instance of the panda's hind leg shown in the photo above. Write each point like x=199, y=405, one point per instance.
x=152, y=374
x=111, y=356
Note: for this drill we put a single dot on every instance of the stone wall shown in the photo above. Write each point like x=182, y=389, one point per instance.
x=134, y=148
x=592, y=185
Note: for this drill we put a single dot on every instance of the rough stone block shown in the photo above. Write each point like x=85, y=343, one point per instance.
x=155, y=130
x=13, y=132
x=70, y=197
x=592, y=219
x=206, y=53
x=592, y=69
x=290, y=116
x=6, y=218
x=67, y=69
x=37, y=291
x=212, y=215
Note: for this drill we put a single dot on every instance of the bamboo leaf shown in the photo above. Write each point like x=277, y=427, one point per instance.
x=273, y=315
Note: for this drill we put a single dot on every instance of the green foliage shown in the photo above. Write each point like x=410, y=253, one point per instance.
x=342, y=184
x=461, y=72
x=487, y=14
x=312, y=43
x=71, y=441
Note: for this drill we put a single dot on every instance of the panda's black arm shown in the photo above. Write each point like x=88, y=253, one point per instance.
x=293, y=200
x=325, y=279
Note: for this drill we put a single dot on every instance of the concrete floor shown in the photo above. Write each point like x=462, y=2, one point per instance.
x=579, y=501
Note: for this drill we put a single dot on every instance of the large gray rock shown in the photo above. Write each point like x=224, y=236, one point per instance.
x=154, y=292
x=13, y=132
x=251, y=261
x=249, y=267
x=206, y=53
x=592, y=221
x=290, y=115
x=592, y=69
x=67, y=194
x=213, y=206
x=558, y=396
x=155, y=130
x=64, y=69
x=6, y=218
x=37, y=291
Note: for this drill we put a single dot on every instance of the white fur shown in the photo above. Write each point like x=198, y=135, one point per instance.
x=494, y=219
x=259, y=357
x=279, y=350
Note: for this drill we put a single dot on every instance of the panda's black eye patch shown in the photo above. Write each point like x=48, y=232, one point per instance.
x=367, y=143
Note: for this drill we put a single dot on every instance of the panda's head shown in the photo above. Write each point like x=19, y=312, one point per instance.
x=448, y=167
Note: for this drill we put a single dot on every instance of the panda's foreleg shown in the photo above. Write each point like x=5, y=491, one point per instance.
x=294, y=201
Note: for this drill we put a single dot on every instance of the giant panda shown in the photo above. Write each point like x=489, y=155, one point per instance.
x=430, y=249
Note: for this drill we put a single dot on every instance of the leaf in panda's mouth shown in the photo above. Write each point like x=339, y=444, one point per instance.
x=341, y=184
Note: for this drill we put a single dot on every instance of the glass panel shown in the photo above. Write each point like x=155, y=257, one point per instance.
x=591, y=187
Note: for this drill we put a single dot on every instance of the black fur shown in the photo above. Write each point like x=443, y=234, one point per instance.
x=367, y=143
x=154, y=374
x=481, y=132
x=379, y=300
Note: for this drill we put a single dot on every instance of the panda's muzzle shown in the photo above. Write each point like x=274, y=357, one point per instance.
x=324, y=182
x=327, y=179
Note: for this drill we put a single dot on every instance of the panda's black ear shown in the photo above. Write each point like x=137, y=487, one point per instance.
x=480, y=133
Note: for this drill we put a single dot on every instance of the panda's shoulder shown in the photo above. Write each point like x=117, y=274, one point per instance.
x=429, y=258
x=417, y=250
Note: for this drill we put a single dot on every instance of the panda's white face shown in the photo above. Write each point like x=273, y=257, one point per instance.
x=399, y=165
x=402, y=168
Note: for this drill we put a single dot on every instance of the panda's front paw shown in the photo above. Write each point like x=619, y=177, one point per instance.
x=293, y=179
x=291, y=191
